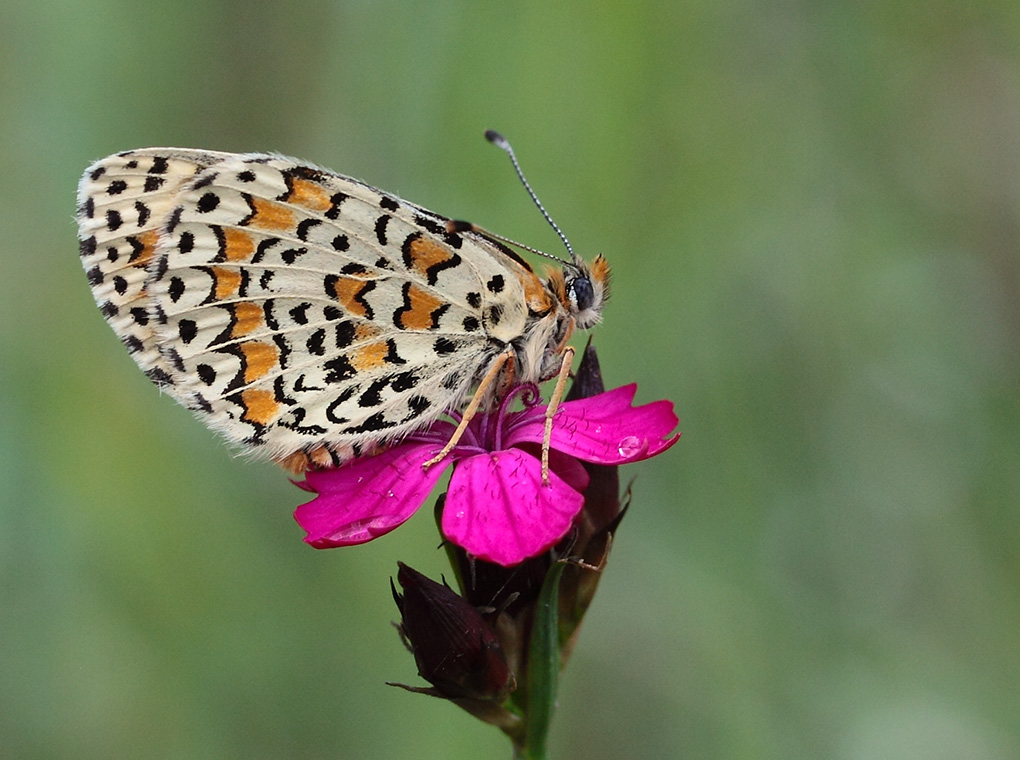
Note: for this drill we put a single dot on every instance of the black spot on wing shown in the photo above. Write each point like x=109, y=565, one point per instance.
x=373, y=393
x=297, y=416
x=392, y=357
x=374, y=424
x=143, y=213
x=418, y=405
x=175, y=289
x=283, y=349
x=87, y=247
x=315, y=343
x=344, y=334
x=187, y=329
x=342, y=398
x=380, y=228
x=336, y=200
x=137, y=247
x=208, y=202
x=174, y=219
x=305, y=226
x=263, y=248
x=444, y=346
x=403, y=381
x=292, y=254
x=339, y=369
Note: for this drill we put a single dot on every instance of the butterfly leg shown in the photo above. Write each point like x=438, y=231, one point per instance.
x=550, y=411
x=494, y=371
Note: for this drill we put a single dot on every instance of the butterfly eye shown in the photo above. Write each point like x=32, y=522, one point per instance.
x=581, y=293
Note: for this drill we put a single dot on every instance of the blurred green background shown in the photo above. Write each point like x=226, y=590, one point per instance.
x=812, y=210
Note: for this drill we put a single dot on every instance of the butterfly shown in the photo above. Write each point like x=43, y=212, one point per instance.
x=309, y=317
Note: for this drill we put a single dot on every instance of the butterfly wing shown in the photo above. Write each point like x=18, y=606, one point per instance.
x=292, y=307
x=122, y=202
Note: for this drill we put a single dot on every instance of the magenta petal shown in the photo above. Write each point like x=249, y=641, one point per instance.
x=368, y=497
x=605, y=429
x=498, y=509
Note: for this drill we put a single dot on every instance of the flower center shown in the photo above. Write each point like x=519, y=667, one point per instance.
x=528, y=393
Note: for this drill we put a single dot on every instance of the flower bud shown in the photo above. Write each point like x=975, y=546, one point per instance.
x=454, y=647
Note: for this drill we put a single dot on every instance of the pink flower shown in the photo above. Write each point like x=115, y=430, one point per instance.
x=497, y=507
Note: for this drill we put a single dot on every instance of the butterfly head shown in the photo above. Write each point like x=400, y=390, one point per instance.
x=582, y=290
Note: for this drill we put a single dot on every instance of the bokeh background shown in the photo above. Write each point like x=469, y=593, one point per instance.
x=812, y=210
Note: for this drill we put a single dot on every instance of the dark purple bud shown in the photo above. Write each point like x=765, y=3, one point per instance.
x=592, y=539
x=602, y=497
x=454, y=647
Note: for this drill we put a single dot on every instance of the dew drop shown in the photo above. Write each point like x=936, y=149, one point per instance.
x=629, y=446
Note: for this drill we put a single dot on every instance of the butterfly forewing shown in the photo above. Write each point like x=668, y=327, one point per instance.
x=123, y=201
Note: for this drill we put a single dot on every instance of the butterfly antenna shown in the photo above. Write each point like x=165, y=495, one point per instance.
x=501, y=142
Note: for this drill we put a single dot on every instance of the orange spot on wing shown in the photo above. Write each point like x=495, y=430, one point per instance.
x=366, y=331
x=238, y=245
x=227, y=281
x=347, y=291
x=259, y=359
x=148, y=240
x=369, y=357
x=247, y=318
x=260, y=406
x=425, y=253
x=310, y=195
x=271, y=216
x=419, y=315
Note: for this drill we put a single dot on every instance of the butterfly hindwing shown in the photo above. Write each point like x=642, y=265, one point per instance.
x=291, y=306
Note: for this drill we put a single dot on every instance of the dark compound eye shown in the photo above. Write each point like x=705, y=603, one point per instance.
x=583, y=294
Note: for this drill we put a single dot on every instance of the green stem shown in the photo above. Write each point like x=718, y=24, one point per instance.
x=543, y=668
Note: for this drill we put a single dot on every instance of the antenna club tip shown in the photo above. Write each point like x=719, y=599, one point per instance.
x=496, y=138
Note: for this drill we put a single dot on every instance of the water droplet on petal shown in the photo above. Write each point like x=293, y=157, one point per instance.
x=629, y=446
